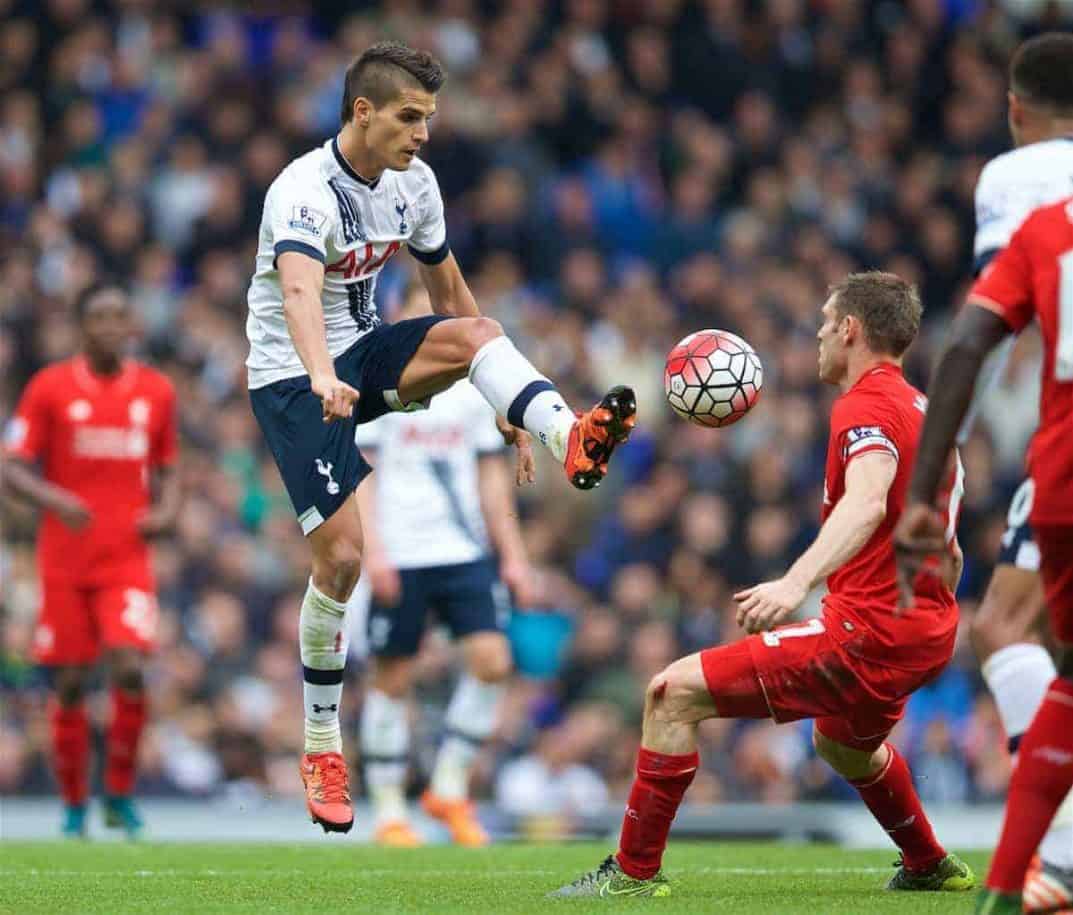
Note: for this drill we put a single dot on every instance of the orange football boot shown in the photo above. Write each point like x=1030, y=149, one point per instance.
x=459, y=818
x=397, y=834
x=327, y=785
x=595, y=435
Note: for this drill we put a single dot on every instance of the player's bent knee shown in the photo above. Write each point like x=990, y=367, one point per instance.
x=480, y=331
x=127, y=672
x=337, y=566
x=672, y=696
x=493, y=666
x=393, y=676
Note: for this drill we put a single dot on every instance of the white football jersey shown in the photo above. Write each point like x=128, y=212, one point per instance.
x=320, y=206
x=1013, y=185
x=1010, y=187
x=428, y=501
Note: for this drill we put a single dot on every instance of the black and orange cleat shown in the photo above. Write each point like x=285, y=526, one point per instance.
x=327, y=785
x=596, y=433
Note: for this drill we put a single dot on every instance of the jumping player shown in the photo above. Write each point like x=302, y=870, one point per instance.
x=1006, y=630
x=320, y=360
x=1032, y=278
x=853, y=668
x=436, y=514
x=101, y=430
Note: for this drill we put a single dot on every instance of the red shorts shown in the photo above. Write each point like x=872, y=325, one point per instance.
x=805, y=670
x=1056, y=565
x=75, y=623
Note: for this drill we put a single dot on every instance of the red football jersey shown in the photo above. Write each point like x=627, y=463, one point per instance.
x=1033, y=276
x=882, y=412
x=97, y=436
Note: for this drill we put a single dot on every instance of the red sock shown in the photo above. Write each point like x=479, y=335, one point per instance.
x=1043, y=777
x=661, y=782
x=128, y=720
x=70, y=749
x=894, y=803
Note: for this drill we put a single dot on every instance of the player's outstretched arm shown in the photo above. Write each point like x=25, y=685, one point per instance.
x=501, y=517
x=848, y=528
x=447, y=288
x=22, y=481
x=302, y=278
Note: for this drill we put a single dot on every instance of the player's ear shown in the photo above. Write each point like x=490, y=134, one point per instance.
x=362, y=111
x=1016, y=114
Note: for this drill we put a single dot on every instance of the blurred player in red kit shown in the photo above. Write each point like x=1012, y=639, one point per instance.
x=93, y=445
x=1031, y=278
x=853, y=668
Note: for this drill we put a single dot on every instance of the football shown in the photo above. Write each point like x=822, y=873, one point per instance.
x=712, y=378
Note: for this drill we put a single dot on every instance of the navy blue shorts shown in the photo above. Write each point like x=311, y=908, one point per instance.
x=1019, y=546
x=467, y=597
x=319, y=462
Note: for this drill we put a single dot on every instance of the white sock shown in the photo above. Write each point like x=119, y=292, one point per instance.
x=520, y=393
x=1018, y=676
x=471, y=717
x=322, y=637
x=1057, y=845
x=385, y=747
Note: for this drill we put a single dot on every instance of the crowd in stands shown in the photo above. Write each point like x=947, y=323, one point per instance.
x=617, y=174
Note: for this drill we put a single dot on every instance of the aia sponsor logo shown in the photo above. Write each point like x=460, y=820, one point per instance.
x=444, y=438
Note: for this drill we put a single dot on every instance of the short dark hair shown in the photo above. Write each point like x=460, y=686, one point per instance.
x=383, y=70
x=91, y=292
x=887, y=306
x=1041, y=71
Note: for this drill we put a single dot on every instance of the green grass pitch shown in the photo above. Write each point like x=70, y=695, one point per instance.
x=165, y=879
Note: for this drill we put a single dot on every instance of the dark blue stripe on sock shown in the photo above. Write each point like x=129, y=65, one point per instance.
x=1014, y=744
x=322, y=677
x=468, y=738
x=516, y=413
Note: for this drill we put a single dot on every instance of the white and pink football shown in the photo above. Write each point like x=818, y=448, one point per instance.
x=713, y=378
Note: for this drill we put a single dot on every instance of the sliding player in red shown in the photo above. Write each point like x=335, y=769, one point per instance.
x=93, y=445
x=852, y=669
x=1031, y=278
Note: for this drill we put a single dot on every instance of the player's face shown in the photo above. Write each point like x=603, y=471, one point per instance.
x=106, y=324
x=398, y=129
x=832, y=358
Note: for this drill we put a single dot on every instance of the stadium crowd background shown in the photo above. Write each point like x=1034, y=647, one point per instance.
x=617, y=174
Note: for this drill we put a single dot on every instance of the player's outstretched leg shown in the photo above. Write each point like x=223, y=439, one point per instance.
x=882, y=778
x=69, y=728
x=121, y=742
x=469, y=722
x=676, y=701
x=582, y=442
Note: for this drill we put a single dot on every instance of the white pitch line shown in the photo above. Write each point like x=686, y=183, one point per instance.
x=397, y=872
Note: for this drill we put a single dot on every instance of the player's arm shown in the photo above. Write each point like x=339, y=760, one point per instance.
x=921, y=531
x=501, y=517
x=301, y=278
x=851, y=524
x=447, y=288
x=20, y=479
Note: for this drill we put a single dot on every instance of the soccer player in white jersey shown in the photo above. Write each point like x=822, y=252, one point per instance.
x=320, y=360
x=1007, y=629
x=435, y=512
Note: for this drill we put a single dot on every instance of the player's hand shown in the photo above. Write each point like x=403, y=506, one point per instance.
x=919, y=543
x=155, y=522
x=766, y=605
x=337, y=397
x=384, y=580
x=525, y=471
x=517, y=575
x=72, y=511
